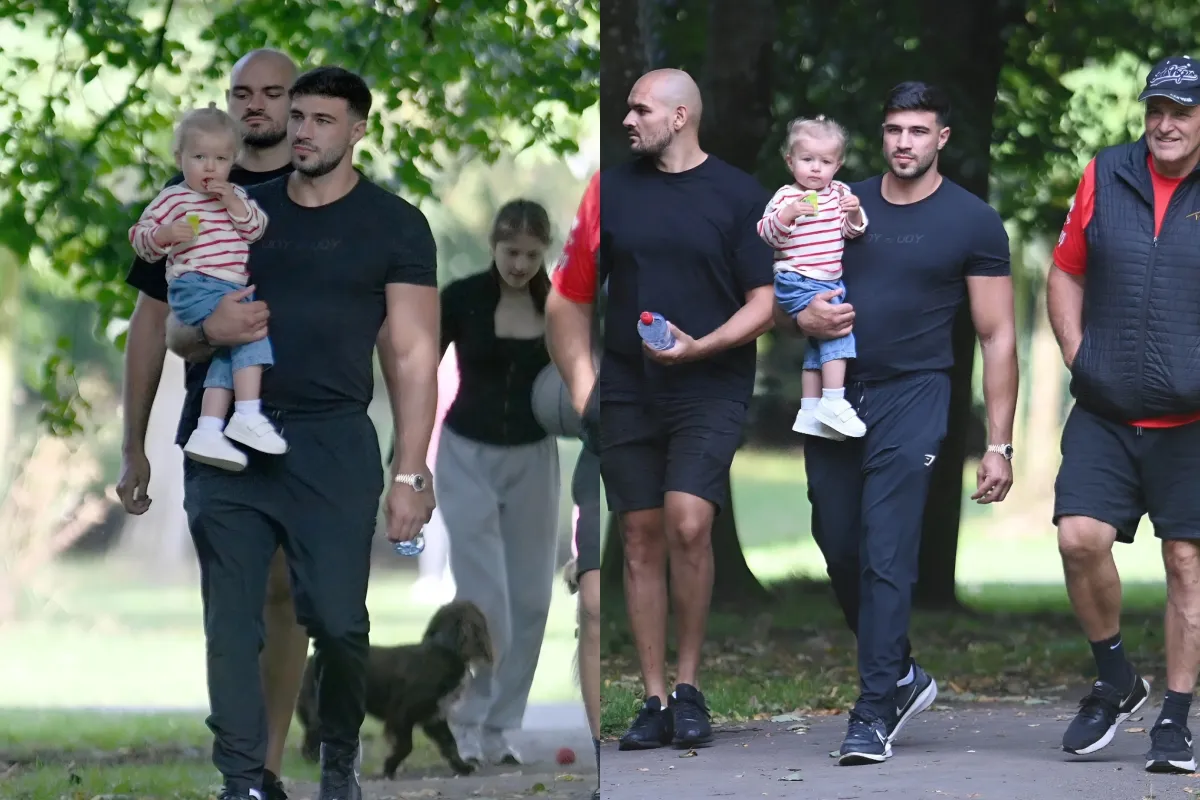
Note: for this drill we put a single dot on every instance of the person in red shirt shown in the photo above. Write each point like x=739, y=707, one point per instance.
x=1128, y=262
x=569, y=327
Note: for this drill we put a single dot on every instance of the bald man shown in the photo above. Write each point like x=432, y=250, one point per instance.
x=677, y=233
x=257, y=98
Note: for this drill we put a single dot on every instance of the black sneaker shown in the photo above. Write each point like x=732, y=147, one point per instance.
x=652, y=727
x=912, y=699
x=272, y=786
x=693, y=723
x=339, y=774
x=1099, y=715
x=1170, y=748
x=866, y=740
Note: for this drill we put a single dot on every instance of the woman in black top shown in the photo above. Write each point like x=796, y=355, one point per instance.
x=497, y=474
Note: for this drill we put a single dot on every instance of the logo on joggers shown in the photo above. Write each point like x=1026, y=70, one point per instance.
x=929, y=459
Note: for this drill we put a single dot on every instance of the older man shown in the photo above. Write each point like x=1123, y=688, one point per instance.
x=1127, y=262
x=677, y=237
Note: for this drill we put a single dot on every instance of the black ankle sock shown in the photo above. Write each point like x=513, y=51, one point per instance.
x=1175, y=707
x=596, y=742
x=1110, y=661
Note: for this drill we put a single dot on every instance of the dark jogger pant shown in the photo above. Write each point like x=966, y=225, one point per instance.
x=868, y=498
x=320, y=503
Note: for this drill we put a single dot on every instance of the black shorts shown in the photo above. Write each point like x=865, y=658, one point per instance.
x=1116, y=473
x=585, y=493
x=667, y=445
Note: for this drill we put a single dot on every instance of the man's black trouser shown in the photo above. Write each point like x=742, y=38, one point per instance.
x=319, y=502
x=868, y=498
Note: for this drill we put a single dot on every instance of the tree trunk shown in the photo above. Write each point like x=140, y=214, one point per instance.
x=738, y=80
x=623, y=63
x=970, y=68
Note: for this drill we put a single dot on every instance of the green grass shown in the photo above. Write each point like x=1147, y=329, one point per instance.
x=1017, y=638
x=110, y=643
x=62, y=752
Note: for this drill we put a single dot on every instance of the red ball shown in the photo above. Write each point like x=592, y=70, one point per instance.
x=565, y=755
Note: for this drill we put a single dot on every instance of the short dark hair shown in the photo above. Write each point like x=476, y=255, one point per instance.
x=334, y=82
x=918, y=96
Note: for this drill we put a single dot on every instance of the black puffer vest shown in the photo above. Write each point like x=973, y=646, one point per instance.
x=1140, y=355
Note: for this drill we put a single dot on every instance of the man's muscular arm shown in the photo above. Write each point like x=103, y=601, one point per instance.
x=751, y=321
x=232, y=322
x=1064, y=304
x=391, y=379
x=992, y=312
x=413, y=326
x=569, y=339
x=145, y=349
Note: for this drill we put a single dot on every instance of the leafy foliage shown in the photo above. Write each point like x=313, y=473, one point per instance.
x=92, y=90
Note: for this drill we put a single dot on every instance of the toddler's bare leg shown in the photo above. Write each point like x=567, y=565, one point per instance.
x=247, y=383
x=215, y=402
x=833, y=375
x=810, y=383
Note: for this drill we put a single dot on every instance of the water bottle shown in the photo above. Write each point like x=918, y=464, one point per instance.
x=653, y=329
x=412, y=547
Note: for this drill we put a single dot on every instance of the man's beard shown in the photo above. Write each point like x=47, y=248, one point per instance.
x=319, y=167
x=264, y=139
x=916, y=170
x=653, y=146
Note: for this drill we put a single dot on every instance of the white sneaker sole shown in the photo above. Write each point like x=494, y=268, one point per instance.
x=1107, y=738
x=924, y=701
x=841, y=427
x=1171, y=766
x=215, y=461
x=856, y=759
x=810, y=427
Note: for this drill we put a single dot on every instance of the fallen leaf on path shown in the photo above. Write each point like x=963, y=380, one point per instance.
x=689, y=754
x=1135, y=730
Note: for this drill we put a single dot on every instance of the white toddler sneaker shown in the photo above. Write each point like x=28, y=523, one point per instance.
x=841, y=416
x=808, y=424
x=212, y=448
x=256, y=431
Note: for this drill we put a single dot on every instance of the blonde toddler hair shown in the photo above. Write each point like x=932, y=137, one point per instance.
x=819, y=127
x=206, y=120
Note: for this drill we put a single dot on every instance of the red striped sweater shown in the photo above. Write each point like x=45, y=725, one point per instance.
x=811, y=246
x=220, y=250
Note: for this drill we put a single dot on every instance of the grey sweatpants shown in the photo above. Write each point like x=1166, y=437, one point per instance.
x=500, y=505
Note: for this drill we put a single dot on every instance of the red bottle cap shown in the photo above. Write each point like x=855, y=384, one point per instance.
x=647, y=318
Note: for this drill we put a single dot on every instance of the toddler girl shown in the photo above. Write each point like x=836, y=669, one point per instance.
x=805, y=223
x=204, y=227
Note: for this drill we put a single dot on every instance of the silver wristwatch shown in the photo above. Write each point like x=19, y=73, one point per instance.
x=1005, y=450
x=417, y=482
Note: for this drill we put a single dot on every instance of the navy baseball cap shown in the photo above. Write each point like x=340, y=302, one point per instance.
x=1175, y=78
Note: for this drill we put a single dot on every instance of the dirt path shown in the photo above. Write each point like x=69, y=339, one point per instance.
x=975, y=752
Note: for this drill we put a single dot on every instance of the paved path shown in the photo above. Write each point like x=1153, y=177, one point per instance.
x=976, y=752
x=547, y=728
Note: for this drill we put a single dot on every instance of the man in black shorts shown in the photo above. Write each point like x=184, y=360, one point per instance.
x=931, y=245
x=572, y=331
x=339, y=255
x=678, y=238
x=1127, y=262
x=257, y=99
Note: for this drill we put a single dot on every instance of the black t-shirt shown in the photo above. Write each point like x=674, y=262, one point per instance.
x=494, y=402
x=151, y=280
x=906, y=276
x=684, y=245
x=322, y=272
